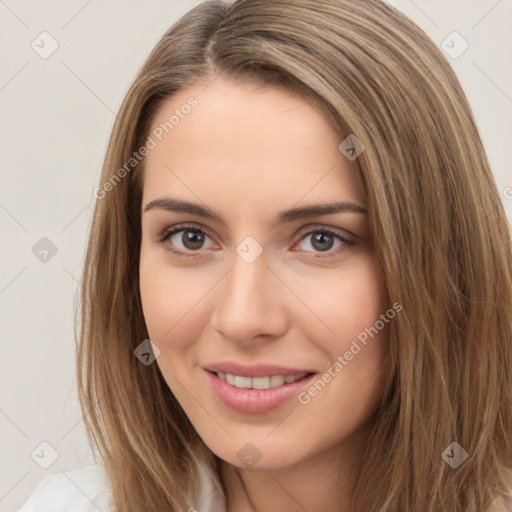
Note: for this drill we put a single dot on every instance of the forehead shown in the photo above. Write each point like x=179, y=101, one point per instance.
x=266, y=144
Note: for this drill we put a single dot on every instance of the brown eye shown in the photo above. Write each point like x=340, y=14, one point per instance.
x=184, y=239
x=192, y=239
x=323, y=240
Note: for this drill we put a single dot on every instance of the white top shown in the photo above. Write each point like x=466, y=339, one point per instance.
x=87, y=489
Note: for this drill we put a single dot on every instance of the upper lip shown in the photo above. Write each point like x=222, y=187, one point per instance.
x=257, y=370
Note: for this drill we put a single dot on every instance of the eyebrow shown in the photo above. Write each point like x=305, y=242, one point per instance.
x=177, y=205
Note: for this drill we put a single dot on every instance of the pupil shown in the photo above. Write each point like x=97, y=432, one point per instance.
x=322, y=241
x=192, y=239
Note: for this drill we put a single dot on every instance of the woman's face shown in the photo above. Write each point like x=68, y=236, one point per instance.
x=269, y=314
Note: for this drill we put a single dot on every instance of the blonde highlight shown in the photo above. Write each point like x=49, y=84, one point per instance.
x=438, y=224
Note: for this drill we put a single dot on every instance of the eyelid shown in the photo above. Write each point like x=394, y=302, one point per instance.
x=343, y=233
x=302, y=233
x=182, y=227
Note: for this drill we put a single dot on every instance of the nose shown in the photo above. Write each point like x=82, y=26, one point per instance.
x=251, y=302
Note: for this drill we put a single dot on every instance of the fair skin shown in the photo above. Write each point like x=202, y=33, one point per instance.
x=247, y=153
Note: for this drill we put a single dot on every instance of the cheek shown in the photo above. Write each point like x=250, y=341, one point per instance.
x=346, y=303
x=173, y=322
x=357, y=347
x=171, y=300
x=350, y=385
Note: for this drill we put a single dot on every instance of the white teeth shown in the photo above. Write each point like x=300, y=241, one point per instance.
x=243, y=382
x=261, y=382
x=258, y=382
x=278, y=380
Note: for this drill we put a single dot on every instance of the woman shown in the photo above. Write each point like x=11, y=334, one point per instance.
x=299, y=275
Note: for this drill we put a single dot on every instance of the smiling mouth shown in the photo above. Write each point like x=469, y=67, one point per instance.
x=267, y=382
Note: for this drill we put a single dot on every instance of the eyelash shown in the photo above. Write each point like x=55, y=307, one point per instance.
x=187, y=227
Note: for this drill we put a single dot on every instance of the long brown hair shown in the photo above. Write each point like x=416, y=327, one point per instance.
x=437, y=220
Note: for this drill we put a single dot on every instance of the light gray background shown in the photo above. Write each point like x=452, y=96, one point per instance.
x=55, y=119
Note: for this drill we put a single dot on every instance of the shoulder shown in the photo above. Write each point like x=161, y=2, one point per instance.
x=82, y=489
x=210, y=496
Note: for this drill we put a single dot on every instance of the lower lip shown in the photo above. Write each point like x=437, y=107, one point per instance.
x=255, y=401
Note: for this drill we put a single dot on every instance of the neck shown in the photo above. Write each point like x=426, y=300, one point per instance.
x=323, y=482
